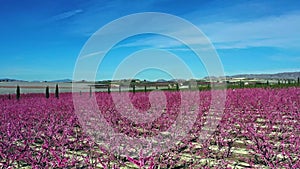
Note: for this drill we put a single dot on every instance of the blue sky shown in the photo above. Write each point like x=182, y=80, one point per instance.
x=41, y=40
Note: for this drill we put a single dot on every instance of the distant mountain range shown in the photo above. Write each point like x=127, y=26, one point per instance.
x=11, y=80
x=16, y=80
x=62, y=80
x=284, y=75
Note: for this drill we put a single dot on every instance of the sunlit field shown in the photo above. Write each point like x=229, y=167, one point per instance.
x=259, y=128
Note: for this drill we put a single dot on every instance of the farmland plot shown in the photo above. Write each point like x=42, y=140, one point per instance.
x=259, y=128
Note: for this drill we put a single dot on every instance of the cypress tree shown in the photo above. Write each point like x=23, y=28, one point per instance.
x=47, y=92
x=132, y=83
x=145, y=87
x=177, y=86
x=56, y=91
x=298, y=80
x=108, y=88
x=18, y=92
x=133, y=88
x=90, y=91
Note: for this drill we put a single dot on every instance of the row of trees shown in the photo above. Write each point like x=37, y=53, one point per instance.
x=56, y=92
x=47, y=92
x=145, y=88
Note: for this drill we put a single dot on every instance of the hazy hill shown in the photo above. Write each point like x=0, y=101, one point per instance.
x=285, y=75
x=11, y=80
x=62, y=80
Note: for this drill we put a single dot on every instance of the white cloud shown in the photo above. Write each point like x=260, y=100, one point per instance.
x=281, y=31
x=272, y=31
x=66, y=15
x=153, y=42
x=162, y=42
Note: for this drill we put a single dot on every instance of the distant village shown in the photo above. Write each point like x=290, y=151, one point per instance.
x=192, y=83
